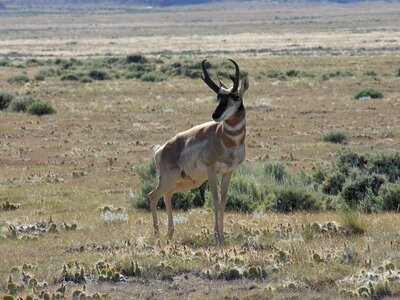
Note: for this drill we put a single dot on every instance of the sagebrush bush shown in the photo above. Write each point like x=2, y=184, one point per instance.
x=40, y=108
x=99, y=75
x=136, y=58
x=5, y=62
x=333, y=183
x=370, y=73
x=336, y=136
x=357, y=187
x=20, y=104
x=389, y=196
x=369, y=93
x=19, y=78
x=289, y=198
x=70, y=77
x=153, y=77
x=5, y=100
x=277, y=171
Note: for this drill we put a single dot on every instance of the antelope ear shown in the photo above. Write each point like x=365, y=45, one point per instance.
x=244, y=86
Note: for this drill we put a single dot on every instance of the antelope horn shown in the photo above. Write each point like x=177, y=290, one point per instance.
x=235, y=78
x=211, y=84
x=221, y=83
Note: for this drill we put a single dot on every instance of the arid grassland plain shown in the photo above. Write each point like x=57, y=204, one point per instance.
x=86, y=96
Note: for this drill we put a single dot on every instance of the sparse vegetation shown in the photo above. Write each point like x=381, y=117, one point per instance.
x=19, y=78
x=303, y=221
x=336, y=136
x=369, y=94
x=20, y=104
x=5, y=100
x=40, y=108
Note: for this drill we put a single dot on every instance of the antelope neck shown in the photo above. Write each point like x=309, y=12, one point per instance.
x=235, y=124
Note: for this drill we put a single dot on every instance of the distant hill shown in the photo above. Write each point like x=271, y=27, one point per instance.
x=75, y=3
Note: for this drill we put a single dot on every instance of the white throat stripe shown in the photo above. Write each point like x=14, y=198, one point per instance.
x=238, y=126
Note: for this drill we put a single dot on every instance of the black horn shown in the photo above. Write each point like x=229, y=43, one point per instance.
x=235, y=78
x=212, y=85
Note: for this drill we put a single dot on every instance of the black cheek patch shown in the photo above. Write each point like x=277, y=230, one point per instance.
x=223, y=103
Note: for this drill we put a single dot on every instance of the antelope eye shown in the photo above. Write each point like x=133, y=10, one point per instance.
x=236, y=97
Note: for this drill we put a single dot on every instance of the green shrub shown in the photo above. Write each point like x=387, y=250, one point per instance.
x=5, y=63
x=329, y=75
x=20, y=78
x=99, y=75
x=359, y=185
x=86, y=79
x=40, y=108
x=153, y=77
x=369, y=94
x=385, y=163
x=292, y=198
x=370, y=73
x=292, y=73
x=70, y=77
x=5, y=100
x=333, y=183
x=39, y=76
x=389, y=196
x=397, y=73
x=136, y=58
x=20, y=104
x=244, y=193
x=336, y=136
x=277, y=171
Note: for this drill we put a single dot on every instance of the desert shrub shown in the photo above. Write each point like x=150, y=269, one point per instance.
x=370, y=73
x=389, y=196
x=275, y=74
x=277, y=171
x=20, y=104
x=19, y=78
x=5, y=62
x=348, y=160
x=152, y=77
x=319, y=174
x=86, y=79
x=369, y=94
x=99, y=75
x=333, y=183
x=328, y=75
x=5, y=100
x=136, y=58
x=359, y=185
x=292, y=73
x=40, y=108
x=244, y=194
x=288, y=198
x=39, y=76
x=69, y=77
x=336, y=136
x=387, y=164
x=397, y=73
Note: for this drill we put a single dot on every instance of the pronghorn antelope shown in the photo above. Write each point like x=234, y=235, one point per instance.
x=193, y=156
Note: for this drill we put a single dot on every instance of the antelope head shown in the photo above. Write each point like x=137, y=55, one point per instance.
x=230, y=99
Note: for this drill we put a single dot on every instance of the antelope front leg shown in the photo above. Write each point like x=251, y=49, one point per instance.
x=224, y=191
x=212, y=182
